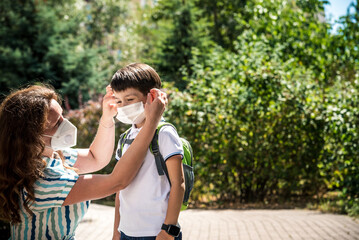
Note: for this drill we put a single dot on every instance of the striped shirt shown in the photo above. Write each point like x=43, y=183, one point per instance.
x=49, y=219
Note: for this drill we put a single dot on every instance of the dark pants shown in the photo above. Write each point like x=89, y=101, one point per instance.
x=125, y=237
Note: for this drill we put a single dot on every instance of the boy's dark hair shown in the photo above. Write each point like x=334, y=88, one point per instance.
x=136, y=75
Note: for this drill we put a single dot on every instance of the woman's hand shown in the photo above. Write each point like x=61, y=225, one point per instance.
x=99, y=154
x=155, y=105
x=109, y=108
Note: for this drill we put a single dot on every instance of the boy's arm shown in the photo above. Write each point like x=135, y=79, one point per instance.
x=175, y=172
x=116, y=234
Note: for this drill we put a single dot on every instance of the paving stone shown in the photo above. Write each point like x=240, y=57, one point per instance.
x=236, y=225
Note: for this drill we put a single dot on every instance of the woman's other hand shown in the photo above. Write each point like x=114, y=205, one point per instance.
x=109, y=107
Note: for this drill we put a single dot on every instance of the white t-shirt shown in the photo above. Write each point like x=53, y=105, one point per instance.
x=143, y=203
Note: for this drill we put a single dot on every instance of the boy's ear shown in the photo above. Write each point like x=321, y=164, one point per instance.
x=148, y=99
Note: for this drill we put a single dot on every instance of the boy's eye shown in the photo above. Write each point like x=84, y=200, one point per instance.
x=118, y=102
x=130, y=99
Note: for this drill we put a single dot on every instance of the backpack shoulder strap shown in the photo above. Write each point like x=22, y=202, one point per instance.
x=122, y=142
x=155, y=149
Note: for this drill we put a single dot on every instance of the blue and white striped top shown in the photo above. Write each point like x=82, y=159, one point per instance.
x=49, y=219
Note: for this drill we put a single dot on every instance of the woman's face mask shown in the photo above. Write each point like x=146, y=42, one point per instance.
x=64, y=137
x=131, y=114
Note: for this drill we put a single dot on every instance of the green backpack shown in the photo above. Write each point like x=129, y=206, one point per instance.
x=187, y=160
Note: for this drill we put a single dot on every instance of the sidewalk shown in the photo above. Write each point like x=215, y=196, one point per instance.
x=237, y=225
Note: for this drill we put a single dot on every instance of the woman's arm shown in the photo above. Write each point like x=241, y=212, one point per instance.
x=116, y=234
x=176, y=175
x=88, y=187
x=100, y=152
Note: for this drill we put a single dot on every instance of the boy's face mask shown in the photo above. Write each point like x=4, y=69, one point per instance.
x=64, y=137
x=131, y=114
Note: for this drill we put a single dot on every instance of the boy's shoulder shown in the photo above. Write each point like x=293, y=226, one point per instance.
x=168, y=136
x=169, y=142
x=166, y=128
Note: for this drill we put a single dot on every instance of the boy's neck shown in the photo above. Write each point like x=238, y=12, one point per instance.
x=139, y=125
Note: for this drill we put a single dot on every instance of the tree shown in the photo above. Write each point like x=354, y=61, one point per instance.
x=185, y=33
x=226, y=19
x=43, y=41
x=274, y=113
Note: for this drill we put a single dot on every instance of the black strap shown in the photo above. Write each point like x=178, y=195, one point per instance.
x=156, y=153
x=160, y=162
x=129, y=141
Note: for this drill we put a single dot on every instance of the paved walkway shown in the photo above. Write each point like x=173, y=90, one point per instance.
x=237, y=225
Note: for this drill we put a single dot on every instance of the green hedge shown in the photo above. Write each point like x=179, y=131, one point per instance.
x=272, y=109
x=260, y=131
x=262, y=128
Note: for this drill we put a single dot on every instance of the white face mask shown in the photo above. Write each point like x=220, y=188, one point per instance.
x=64, y=137
x=131, y=114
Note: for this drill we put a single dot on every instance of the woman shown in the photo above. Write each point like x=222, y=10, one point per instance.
x=41, y=193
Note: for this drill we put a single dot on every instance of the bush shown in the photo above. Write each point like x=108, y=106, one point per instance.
x=271, y=109
x=262, y=128
x=252, y=129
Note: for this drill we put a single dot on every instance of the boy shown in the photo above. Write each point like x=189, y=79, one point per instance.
x=149, y=207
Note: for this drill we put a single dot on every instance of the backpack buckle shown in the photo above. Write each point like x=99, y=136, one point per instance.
x=155, y=151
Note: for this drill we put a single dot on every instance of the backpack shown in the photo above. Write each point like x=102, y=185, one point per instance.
x=187, y=160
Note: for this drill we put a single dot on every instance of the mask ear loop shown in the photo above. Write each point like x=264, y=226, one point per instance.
x=50, y=136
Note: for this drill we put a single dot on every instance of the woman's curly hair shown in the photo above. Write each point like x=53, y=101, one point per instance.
x=23, y=116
